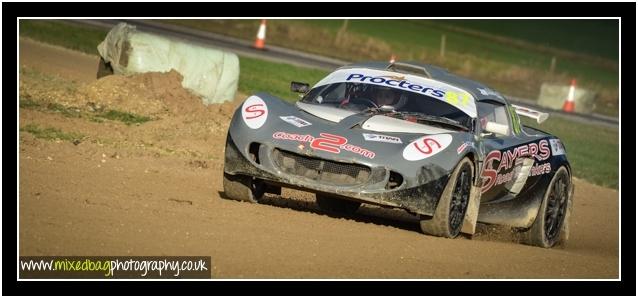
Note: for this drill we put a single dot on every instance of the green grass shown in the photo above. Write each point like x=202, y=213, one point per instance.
x=50, y=133
x=572, y=35
x=63, y=34
x=264, y=76
x=425, y=35
x=67, y=112
x=591, y=150
x=51, y=107
x=29, y=104
x=71, y=112
x=124, y=117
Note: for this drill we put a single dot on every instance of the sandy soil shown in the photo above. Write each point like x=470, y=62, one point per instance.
x=154, y=189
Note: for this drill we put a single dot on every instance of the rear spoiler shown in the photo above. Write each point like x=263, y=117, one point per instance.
x=527, y=112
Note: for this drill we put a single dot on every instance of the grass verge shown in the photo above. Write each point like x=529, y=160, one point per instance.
x=593, y=151
x=50, y=133
x=126, y=118
x=63, y=34
x=71, y=112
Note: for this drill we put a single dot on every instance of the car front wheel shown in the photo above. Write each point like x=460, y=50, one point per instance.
x=450, y=211
x=243, y=188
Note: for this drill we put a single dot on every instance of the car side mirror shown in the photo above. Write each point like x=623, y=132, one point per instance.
x=495, y=128
x=299, y=87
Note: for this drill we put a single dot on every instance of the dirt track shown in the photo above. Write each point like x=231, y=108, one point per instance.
x=154, y=189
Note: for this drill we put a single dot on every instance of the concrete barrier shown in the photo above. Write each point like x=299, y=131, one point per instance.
x=208, y=72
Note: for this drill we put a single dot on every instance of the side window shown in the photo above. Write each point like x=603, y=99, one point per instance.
x=493, y=112
x=335, y=94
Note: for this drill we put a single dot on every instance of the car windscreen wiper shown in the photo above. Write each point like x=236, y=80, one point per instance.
x=435, y=119
x=377, y=110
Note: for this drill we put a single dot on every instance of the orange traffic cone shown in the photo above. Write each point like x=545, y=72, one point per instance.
x=568, y=106
x=392, y=58
x=261, y=36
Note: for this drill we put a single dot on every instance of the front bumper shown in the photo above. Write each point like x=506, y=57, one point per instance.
x=275, y=166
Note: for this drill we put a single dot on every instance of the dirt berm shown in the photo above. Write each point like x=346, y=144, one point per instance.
x=91, y=184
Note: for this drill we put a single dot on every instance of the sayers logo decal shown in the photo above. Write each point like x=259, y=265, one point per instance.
x=426, y=146
x=254, y=112
x=497, y=166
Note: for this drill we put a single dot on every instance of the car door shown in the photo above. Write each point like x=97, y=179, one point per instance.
x=508, y=157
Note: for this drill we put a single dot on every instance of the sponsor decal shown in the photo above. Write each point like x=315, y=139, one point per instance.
x=381, y=138
x=557, y=147
x=495, y=175
x=452, y=97
x=541, y=169
x=296, y=121
x=395, y=82
x=436, y=89
x=426, y=146
x=292, y=137
x=462, y=147
x=254, y=112
x=325, y=142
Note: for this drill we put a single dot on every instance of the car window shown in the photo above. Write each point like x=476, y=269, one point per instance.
x=494, y=112
x=361, y=96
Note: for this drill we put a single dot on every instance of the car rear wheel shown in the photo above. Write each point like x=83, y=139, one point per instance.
x=448, y=217
x=243, y=188
x=335, y=205
x=551, y=223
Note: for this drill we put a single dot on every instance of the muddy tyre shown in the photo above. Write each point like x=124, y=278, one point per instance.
x=450, y=211
x=104, y=68
x=552, y=222
x=335, y=205
x=243, y=188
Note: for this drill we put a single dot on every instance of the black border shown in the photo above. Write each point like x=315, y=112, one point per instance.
x=148, y=9
x=319, y=9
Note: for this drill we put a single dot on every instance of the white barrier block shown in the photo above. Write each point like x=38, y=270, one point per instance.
x=209, y=73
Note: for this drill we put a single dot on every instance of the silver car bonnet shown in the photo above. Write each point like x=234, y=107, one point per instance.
x=377, y=123
x=324, y=112
x=388, y=124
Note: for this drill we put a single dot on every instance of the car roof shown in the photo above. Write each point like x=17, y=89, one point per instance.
x=479, y=91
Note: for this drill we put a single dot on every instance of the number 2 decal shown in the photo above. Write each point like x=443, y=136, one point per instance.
x=327, y=141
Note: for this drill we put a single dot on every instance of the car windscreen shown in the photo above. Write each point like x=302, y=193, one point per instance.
x=393, y=102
